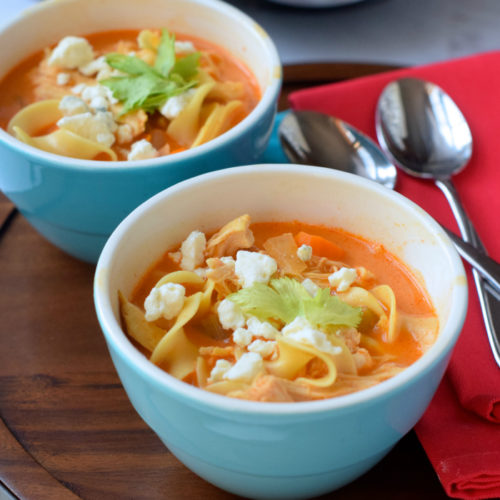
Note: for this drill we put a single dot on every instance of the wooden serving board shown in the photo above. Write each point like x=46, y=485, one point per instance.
x=67, y=429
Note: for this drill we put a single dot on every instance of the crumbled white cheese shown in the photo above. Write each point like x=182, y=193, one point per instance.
x=99, y=66
x=263, y=347
x=342, y=279
x=63, y=78
x=164, y=301
x=142, y=150
x=201, y=272
x=98, y=97
x=222, y=366
x=242, y=337
x=254, y=267
x=302, y=331
x=310, y=286
x=124, y=133
x=71, y=105
x=230, y=315
x=246, y=368
x=193, y=250
x=98, y=127
x=182, y=47
x=175, y=104
x=304, y=252
x=261, y=328
x=71, y=52
x=78, y=88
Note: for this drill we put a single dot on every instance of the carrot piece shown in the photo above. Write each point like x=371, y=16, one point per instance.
x=177, y=150
x=320, y=246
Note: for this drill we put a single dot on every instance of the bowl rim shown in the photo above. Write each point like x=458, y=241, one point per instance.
x=267, y=100
x=117, y=339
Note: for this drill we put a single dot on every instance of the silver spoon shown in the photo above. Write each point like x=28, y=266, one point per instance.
x=422, y=131
x=313, y=138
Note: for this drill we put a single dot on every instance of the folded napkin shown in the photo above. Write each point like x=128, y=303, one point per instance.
x=460, y=431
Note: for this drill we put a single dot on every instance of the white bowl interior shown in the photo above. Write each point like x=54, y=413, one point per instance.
x=285, y=193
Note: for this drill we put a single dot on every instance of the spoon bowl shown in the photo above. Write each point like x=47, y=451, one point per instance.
x=422, y=130
x=312, y=138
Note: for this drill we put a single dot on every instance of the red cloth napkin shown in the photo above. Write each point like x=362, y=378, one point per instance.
x=460, y=430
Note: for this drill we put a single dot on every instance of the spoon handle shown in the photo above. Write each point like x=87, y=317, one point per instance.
x=489, y=268
x=488, y=299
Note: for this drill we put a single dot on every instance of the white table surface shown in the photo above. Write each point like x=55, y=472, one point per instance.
x=400, y=32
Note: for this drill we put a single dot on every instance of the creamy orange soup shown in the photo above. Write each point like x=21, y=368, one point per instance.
x=230, y=92
x=280, y=312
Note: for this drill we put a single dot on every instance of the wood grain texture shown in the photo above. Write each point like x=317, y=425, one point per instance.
x=67, y=429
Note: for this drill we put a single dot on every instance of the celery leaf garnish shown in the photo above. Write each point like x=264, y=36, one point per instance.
x=147, y=87
x=284, y=299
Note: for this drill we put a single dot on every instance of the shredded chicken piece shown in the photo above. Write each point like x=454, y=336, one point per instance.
x=234, y=236
x=351, y=337
x=363, y=359
x=45, y=86
x=216, y=351
x=365, y=279
x=135, y=119
x=268, y=388
x=222, y=274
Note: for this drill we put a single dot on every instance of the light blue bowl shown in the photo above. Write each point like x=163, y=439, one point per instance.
x=280, y=450
x=76, y=204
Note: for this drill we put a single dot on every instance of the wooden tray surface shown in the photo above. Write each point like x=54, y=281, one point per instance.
x=67, y=429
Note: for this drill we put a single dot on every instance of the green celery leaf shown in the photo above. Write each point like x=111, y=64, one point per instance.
x=285, y=299
x=325, y=309
x=146, y=87
x=129, y=64
x=187, y=67
x=262, y=301
x=165, y=59
x=132, y=91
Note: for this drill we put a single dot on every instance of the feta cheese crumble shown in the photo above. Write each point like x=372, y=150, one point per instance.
x=342, y=279
x=254, y=267
x=175, y=104
x=99, y=66
x=261, y=328
x=302, y=331
x=230, y=315
x=182, y=47
x=71, y=52
x=246, y=368
x=71, y=105
x=310, y=286
x=98, y=96
x=242, y=337
x=98, y=127
x=222, y=366
x=164, y=301
x=263, y=347
x=193, y=250
x=304, y=252
x=63, y=78
x=142, y=150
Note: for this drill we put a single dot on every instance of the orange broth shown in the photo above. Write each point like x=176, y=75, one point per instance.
x=411, y=296
x=18, y=88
